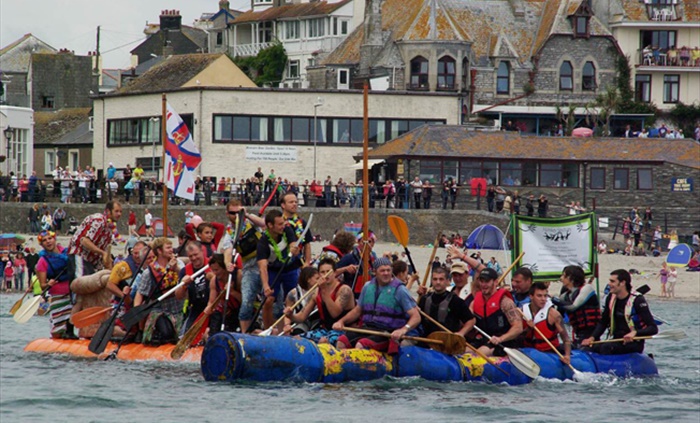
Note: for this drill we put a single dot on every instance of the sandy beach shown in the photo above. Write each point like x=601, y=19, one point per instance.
x=687, y=287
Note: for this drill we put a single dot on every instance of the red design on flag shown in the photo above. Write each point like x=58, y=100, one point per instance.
x=182, y=156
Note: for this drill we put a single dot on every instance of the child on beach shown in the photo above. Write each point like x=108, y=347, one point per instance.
x=663, y=275
x=672, y=278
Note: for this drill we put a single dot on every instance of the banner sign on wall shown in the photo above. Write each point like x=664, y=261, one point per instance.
x=682, y=184
x=550, y=244
x=270, y=154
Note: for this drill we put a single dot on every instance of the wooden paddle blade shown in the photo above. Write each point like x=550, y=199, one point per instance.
x=399, y=229
x=189, y=336
x=672, y=335
x=89, y=316
x=27, y=310
x=523, y=363
x=120, y=271
x=452, y=343
x=99, y=341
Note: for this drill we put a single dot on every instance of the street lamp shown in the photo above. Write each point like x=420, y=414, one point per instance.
x=317, y=104
x=8, y=137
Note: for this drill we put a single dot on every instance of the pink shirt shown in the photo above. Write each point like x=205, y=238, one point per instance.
x=61, y=288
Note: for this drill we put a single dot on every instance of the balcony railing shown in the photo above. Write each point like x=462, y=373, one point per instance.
x=676, y=58
x=244, y=50
x=662, y=12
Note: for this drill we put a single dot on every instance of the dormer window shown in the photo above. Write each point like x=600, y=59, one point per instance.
x=581, y=26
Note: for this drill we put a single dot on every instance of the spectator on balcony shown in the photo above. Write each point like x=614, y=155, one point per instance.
x=647, y=55
x=657, y=55
x=672, y=56
x=685, y=56
x=695, y=56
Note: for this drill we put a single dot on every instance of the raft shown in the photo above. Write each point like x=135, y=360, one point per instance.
x=128, y=352
x=232, y=356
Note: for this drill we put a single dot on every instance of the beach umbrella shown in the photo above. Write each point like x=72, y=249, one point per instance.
x=10, y=240
x=679, y=256
x=582, y=132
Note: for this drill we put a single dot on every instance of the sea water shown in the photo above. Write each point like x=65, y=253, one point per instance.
x=51, y=388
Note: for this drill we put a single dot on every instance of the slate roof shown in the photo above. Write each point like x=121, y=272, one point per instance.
x=482, y=22
x=439, y=141
x=16, y=56
x=318, y=8
x=171, y=73
x=50, y=127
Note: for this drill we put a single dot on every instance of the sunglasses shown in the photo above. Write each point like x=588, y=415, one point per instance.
x=232, y=213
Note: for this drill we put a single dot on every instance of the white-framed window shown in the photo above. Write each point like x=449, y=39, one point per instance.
x=339, y=26
x=317, y=27
x=343, y=27
x=343, y=79
x=74, y=159
x=91, y=124
x=293, y=69
x=291, y=30
x=311, y=62
x=49, y=162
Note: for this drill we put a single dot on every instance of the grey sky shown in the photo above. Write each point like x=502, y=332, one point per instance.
x=72, y=24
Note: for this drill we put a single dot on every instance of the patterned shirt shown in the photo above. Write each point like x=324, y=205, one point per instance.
x=97, y=229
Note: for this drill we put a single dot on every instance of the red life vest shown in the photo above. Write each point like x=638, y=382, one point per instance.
x=327, y=320
x=233, y=303
x=532, y=338
x=489, y=316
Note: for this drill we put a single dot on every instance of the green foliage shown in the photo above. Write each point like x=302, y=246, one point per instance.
x=627, y=103
x=685, y=117
x=265, y=68
x=567, y=119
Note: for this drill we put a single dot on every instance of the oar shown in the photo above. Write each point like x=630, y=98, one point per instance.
x=27, y=310
x=99, y=340
x=430, y=263
x=508, y=270
x=268, y=331
x=18, y=303
x=193, y=331
x=136, y=314
x=470, y=346
x=671, y=335
x=519, y=360
x=448, y=348
x=89, y=316
x=272, y=194
x=228, y=291
x=539, y=332
x=399, y=228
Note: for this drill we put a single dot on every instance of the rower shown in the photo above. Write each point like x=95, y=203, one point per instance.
x=290, y=206
x=579, y=302
x=333, y=301
x=195, y=290
x=384, y=305
x=540, y=313
x=626, y=315
x=496, y=315
x=218, y=281
x=52, y=272
x=351, y=264
x=445, y=307
x=460, y=278
x=521, y=283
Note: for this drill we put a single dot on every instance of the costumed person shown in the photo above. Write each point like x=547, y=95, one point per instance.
x=53, y=271
x=626, y=315
x=333, y=301
x=540, y=313
x=218, y=280
x=164, y=321
x=579, y=302
x=89, y=247
x=384, y=305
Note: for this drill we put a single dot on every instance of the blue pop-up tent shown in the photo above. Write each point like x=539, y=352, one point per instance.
x=486, y=237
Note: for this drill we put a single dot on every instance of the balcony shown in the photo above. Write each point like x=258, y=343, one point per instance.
x=245, y=50
x=669, y=59
x=662, y=12
x=421, y=86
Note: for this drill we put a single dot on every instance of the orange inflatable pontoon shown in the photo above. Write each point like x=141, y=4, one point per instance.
x=128, y=352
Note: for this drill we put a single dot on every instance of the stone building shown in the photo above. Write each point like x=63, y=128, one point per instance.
x=169, y=37
x=15, y=61
x=61, y=80
x=62, y=138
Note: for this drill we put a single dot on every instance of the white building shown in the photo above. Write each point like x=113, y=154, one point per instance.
x=17, y=143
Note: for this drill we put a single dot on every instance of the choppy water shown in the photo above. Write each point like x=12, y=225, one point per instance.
x=37, y=388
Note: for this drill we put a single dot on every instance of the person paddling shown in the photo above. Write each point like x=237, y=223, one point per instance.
x=444, y=306
x=626, y=315
x=218, y=281
x=579, y=302
x=540, y=313
x=51, y=271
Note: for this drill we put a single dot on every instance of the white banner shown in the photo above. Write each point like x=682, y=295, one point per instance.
x=554, y=243
x=270, y=154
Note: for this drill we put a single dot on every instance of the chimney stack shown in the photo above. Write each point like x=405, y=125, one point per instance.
x=170, y=20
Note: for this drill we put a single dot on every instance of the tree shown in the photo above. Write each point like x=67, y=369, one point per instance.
x=265, y=68
x=685, y=116
x=603, y=107
x=568, y=119
x=627, y=103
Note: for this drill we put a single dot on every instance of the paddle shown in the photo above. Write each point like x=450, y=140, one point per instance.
x=539, y=332
x=99, y=340
x=272, y=194
x=136, y=314
x=89, y=316
x=518, y=359
x=470, y=346
x=228, y=291
x=185, y=342
x=268, y=331
x=449, y=349
x=27, y=310
x=18, y=303
x=400, y=230
x=671, y=335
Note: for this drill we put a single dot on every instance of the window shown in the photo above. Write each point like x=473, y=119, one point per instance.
x=503, y=78
x=149, y=164
x=241, y=128
x=419, y=73
x=334, y=23
x=671, y=88
x=48, y=102
x=566, y=76
x=658, y=39
x=431, y=170
x=49, y=162
x=588, y=79
x=265, y=32
x=644, y=180
x=377, y=131
x=511, y=174
x=219, y=38
x=581, y=23
x=341, y=131
x=621, y=179
x=642, y=88
x=446, y=73
x=282, y=131
x=291, y=30
x=450, y=170
x=597, y=178
x=343, y=79
x=343, y=27
x=300, y=129
x=293, y=70
x=136, y=130
x=317, y=28
x=559, y=175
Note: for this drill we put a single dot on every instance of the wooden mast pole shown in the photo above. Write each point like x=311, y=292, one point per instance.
x=164, y=137
x=365, y=180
